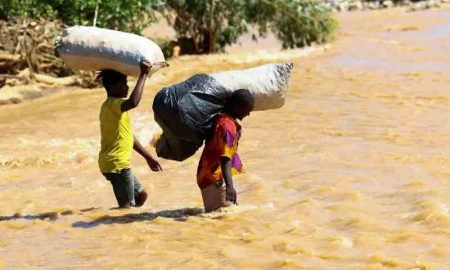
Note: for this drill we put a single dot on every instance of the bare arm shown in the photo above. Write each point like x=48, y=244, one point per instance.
x=225, y=165
x=152, y=163
x=136, y=95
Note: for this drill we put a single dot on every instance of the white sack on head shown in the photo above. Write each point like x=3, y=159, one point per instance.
x=93, y=48
x=268, y=83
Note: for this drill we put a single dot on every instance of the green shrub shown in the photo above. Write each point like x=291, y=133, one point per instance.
x=204, y=25
x=125, y=15
x=313, y=24
x=213, y=24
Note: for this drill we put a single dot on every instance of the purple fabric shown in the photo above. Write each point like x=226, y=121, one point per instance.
x=229, y=138
x=236, y=162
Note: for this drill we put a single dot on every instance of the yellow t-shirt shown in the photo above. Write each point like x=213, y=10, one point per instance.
x=117, y=137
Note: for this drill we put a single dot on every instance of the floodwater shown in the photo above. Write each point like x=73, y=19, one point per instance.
x=352, y=173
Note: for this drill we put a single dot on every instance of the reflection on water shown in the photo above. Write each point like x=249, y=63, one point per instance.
x=352, y=173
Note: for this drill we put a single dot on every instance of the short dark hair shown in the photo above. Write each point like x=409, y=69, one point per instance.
x=240, y=96
x=110, y=77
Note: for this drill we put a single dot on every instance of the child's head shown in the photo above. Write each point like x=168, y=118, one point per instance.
x=114, y=82
x=240, y=104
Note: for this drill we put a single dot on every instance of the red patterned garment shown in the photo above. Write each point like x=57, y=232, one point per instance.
x=223, y=143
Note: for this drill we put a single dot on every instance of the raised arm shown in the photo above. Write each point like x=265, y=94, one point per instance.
x=135, y=97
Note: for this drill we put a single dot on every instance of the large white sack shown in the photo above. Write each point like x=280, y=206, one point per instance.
x=268, y=83
x=93, y=48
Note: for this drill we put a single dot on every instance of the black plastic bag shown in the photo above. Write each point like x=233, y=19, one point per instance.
x=186, y=113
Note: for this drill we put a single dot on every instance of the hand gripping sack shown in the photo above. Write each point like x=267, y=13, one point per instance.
x=186, y=111
x=93, y=48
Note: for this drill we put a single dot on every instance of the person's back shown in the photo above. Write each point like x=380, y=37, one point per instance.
x=223, y=143
x=220, y=160
x=117, y=140
x=116, y=137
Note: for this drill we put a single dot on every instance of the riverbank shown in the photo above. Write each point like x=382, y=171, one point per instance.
x=263, y=50
x=352, y=173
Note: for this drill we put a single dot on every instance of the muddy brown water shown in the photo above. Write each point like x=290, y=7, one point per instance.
x=352, y=173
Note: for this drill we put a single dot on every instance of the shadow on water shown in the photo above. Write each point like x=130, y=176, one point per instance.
x=42, y=216
x=177, y=214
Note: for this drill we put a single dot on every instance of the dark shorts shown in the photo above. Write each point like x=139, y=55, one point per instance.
x=126, y=187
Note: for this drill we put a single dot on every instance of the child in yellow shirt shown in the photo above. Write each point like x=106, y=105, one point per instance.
x=117, y=140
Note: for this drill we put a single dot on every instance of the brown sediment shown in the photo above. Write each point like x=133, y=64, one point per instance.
x=352, y=173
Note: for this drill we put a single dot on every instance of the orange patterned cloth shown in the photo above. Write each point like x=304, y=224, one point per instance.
x=223, y=143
